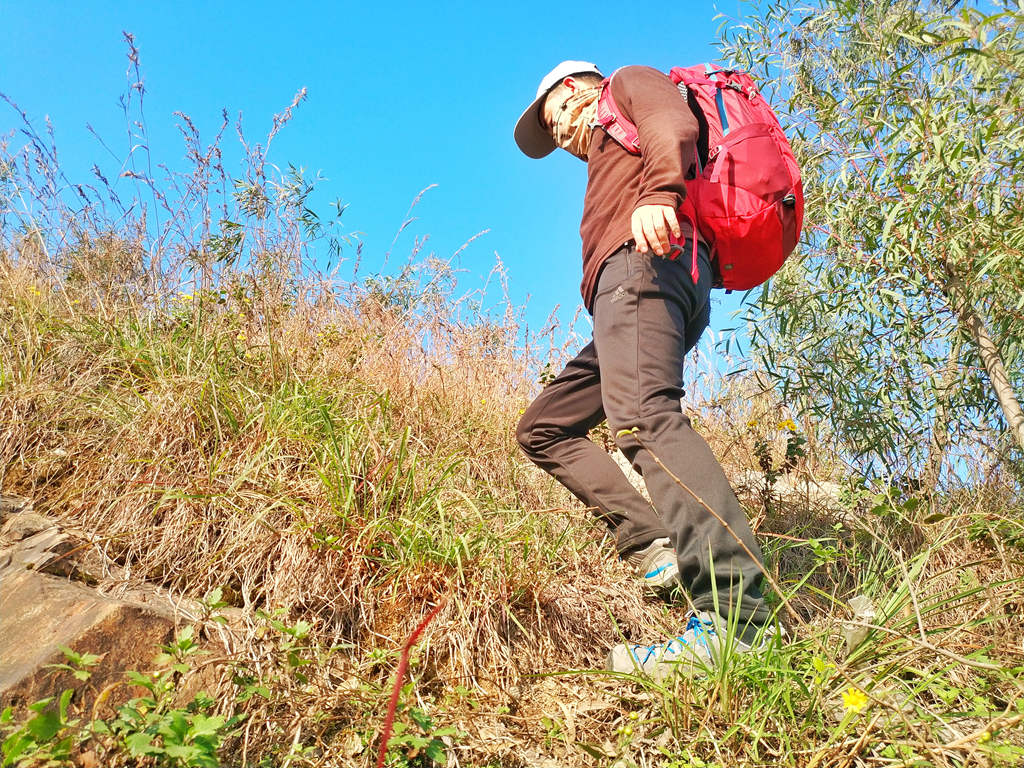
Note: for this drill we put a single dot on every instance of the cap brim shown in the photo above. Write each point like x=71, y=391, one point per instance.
x=531, y=136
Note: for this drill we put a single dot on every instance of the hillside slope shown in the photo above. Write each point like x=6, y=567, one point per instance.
x=337, y=462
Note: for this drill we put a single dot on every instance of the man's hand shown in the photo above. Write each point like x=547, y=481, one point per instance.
x=651, y=226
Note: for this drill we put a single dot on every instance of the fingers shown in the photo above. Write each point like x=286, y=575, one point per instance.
x=636, y=224
x=672, y=220
x=651, y=225
x=657, y=234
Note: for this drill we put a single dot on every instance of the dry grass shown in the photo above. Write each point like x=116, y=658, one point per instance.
x=351, y=463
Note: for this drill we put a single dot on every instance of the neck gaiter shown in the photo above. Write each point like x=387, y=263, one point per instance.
x=573, y=126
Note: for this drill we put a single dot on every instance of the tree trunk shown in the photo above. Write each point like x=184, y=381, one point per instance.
x=989, y=352
x=940, y=432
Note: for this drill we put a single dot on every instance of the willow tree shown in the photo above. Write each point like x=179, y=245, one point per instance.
x=899, y=322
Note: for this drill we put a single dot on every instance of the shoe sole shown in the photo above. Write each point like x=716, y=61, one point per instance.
x=620, y=660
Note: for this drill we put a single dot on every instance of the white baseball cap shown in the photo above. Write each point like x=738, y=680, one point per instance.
x=530, y=135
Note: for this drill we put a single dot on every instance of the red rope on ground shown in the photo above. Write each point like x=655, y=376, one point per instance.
x=403, y=664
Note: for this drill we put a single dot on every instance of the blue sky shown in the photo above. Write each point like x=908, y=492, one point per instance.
x=401, y=96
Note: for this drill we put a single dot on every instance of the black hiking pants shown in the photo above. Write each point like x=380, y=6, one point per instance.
x=648, y=314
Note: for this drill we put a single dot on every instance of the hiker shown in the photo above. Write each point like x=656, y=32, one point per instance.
x=646, y=283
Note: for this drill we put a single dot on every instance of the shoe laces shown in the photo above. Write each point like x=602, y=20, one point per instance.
x=700, y=630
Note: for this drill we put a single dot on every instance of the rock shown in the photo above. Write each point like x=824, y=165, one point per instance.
x=10, y=505
x=42, y=612
x=47, y=551
x=30, y=541
x=792, y=488
x=24, y=524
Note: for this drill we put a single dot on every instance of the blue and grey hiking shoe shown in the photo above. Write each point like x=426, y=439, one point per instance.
x=704, y=642
x=657, y=564
x=690, y=651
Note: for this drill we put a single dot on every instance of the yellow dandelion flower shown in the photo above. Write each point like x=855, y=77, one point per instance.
x=854, y=699
x=752, y=423
x=788, y=424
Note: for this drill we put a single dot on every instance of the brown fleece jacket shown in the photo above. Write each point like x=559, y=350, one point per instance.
x=618, y=182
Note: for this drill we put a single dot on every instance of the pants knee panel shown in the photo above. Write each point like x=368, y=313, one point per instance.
x=526, y=435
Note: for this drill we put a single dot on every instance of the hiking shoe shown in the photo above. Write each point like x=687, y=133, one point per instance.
x=656, y=564
x=690, y=650
x=701, y=645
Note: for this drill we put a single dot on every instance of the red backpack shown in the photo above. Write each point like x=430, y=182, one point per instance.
x=747, y=201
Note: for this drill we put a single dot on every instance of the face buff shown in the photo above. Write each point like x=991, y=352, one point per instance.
x=573, y=126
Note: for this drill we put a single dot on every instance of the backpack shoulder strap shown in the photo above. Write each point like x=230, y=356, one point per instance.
x=615, y=124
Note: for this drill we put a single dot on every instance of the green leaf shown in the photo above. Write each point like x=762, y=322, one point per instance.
x=206, y=726
x=593, y=751
x=39, y=706
x=421, y=718
x=140, y=679
x=99, y=726
x=65, y=700
x=184, y=752
x=14, y=746
x=44, y=726
x=174, y=727
x=436, y=752
x=141, y=744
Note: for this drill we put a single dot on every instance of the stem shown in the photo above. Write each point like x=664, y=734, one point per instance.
x=989, y=352
x=940, y=431
x=403, y=663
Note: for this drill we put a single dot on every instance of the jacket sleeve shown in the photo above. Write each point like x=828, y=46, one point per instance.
x=667, y=130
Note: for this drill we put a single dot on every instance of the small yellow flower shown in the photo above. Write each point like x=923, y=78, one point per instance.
x=752, y=423
x=787, y=424
x=483, y=401
x=522, y=411
x=854, y=699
